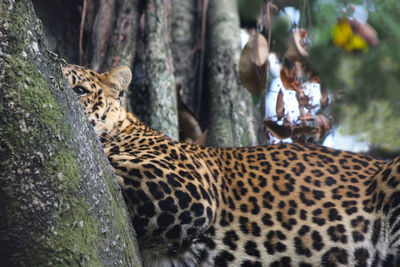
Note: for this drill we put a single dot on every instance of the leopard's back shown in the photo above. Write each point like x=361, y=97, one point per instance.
x=278, y=205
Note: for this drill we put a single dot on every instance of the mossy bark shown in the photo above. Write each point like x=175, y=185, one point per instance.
x=230, y=114
x=59, y=201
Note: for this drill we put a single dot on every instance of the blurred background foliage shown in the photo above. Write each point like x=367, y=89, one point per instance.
x=364, y=82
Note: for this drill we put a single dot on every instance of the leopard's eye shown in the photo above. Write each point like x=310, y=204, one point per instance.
x=80, y=91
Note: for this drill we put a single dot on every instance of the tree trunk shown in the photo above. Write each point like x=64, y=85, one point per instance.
x=160, y=83
x=230, y=111
x=59, y=201
x=114, y=34
x=185, y=47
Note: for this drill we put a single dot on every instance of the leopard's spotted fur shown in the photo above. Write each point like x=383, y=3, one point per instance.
x=278, y=205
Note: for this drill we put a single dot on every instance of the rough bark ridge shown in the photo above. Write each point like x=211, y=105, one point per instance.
x=59, y=201
x=120, y=19
x=113, y=36
x=160, y=82
x=185, y=48
x=230, y=104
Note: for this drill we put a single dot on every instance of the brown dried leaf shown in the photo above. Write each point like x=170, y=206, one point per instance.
x=298, y=69
x=257, y=48
x=324, y=97
x=297, y=46
x=202, y=139
x=299, y=139
x=253, y=76
x=304, y=130
x=188, y=125
x=306, y=117
x=303, y=99
x=324, y=125
x=315, y=79
x=303, y=35
x=280, y=106
x=279, y=131
x=288, y=78
x=260, y=50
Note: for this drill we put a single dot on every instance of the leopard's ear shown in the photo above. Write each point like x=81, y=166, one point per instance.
x=118, y=79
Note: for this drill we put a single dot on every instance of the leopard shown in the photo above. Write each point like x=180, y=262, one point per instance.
x=271, y=205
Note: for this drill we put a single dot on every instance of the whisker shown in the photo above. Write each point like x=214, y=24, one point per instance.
x=115, y=133
x=114, y=141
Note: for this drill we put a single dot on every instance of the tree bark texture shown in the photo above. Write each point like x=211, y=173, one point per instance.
x=114, y=34
x=113, y=37
x=160, y=83
x=59, y=201
x=230, y=112
x=185, y=47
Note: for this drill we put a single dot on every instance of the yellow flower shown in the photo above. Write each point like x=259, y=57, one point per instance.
x=341, y=33
x=356, y=43
x=343, y=37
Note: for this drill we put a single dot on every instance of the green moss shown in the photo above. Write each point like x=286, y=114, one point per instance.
x=120, y=217
x=29, y=93
x=78, y=235
x=65, y=167
x=120, y=212
x=35, y=111
x=74, y=234
x=73, y=238
x=37, y=102
x=14, y=20
x=73, y=229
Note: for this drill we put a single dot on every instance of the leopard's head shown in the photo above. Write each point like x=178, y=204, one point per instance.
x=99, y=93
